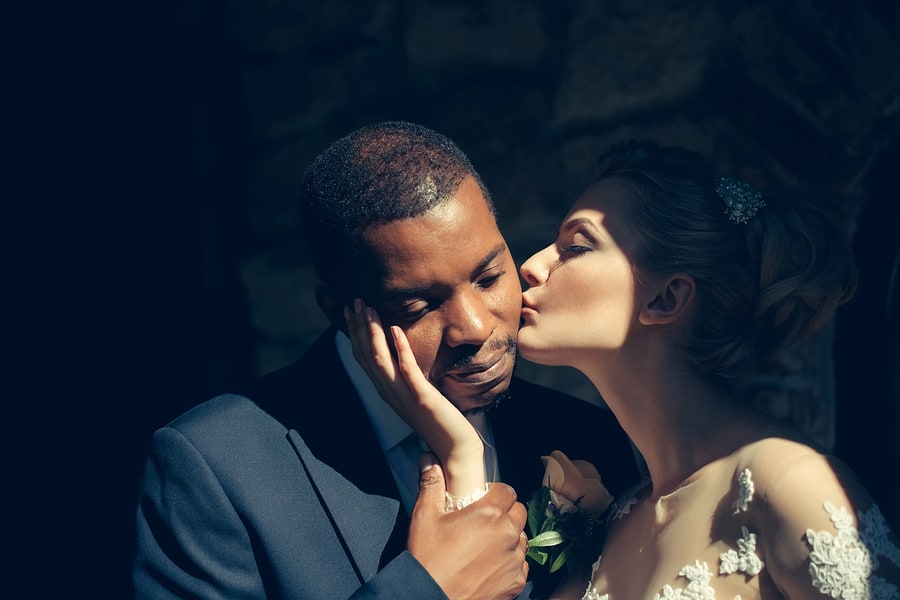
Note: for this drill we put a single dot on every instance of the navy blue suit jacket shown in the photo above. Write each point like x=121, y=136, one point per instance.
x=282, y=491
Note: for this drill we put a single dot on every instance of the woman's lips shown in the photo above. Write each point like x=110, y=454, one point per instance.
x=526, y=303
x=528, y=309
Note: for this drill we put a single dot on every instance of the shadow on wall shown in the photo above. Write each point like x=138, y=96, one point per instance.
x=867, y=345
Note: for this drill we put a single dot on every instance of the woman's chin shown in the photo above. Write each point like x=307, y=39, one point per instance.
x=527, y=351
x=540, y=354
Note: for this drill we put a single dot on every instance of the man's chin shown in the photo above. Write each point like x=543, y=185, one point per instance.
x=473, y=399
x=481, y=402
x=487, y=405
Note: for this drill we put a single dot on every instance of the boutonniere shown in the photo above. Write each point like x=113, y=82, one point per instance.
x=564, y=515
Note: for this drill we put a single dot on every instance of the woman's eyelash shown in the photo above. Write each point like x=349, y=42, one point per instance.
x=572, y=250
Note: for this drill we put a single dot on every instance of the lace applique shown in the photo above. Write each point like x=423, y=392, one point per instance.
x=745, y=559
x=628, y=499
x=842, y=565
x=745, y=491
x=874, y=530
x=698, y=587
x=590, y=593
x=624, y=508
x=452, y=502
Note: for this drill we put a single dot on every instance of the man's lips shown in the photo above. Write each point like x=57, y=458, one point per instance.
x=480, y=371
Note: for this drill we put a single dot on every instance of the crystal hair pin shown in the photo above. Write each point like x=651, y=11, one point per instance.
x=742, y=200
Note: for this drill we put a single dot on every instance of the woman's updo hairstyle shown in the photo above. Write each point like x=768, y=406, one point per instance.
x=768, y=273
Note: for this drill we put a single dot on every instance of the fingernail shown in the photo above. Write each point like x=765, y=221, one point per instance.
x=357, y=305
x=426, y=461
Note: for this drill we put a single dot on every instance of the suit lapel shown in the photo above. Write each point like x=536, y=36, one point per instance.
x=363, y=522
x=335, y=429
x=333, y=422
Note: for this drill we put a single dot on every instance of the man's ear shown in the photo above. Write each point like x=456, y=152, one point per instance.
x=331, y=306
x=675, y=295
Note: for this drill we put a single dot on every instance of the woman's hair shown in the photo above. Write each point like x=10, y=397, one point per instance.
x=770, y=274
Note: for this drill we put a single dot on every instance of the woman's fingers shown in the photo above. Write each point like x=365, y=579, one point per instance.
x=379, y=350
x=401, y=383
x=398, y=378
x=370, y=347
x=408, y=365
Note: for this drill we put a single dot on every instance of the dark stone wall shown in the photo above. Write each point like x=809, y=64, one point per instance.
x=152, y=250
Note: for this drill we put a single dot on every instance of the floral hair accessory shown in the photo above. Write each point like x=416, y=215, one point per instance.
x=564, y=516
x=742, y=200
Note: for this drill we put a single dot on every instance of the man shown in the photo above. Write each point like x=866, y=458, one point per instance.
x=299, y=488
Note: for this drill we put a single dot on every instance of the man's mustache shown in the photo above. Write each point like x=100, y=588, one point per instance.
x=464, y=360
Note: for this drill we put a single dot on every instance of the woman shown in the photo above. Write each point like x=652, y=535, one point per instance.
x=664, y=287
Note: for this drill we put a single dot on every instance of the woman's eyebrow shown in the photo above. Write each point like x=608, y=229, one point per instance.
x=581, y=222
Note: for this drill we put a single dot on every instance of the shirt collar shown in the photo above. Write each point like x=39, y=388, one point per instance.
x=389, y=428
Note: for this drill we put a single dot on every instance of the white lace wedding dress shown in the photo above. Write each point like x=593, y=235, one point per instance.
x=773, y=520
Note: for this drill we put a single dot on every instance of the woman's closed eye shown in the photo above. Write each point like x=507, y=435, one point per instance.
x=566, y=252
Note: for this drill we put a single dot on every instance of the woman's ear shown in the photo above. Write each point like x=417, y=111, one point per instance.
x=331, y=306
x=676, y=294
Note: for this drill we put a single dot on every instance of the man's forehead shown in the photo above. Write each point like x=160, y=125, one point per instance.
x=448, y=243
x=446, y=265
x=434, y=262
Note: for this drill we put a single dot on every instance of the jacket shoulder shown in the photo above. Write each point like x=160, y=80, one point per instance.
x=223, y=414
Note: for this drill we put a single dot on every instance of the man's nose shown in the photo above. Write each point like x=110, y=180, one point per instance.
x=469, y=319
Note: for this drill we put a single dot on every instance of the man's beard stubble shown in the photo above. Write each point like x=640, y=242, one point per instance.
x=496, y=402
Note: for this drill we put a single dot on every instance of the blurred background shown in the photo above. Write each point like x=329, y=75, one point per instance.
x=152, y=250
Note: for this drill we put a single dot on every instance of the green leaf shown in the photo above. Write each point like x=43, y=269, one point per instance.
x=537, y=510
x=560, y=560
x=549, y=524
x=538, y=556
x=548, y=538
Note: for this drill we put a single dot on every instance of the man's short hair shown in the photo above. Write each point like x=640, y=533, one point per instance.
x=376, y=174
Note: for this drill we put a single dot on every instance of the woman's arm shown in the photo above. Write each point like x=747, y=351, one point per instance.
x=824, y=535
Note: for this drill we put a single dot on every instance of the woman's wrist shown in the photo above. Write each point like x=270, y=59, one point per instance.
x=464, y=470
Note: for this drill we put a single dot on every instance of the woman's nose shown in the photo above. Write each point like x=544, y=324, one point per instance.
x=534, y=270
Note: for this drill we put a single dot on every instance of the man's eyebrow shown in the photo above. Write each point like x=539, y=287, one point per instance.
x=490, y=257
x=390, y=295
x=393, y=295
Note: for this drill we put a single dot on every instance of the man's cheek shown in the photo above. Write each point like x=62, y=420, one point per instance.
x=510, y=308
x=425, y=356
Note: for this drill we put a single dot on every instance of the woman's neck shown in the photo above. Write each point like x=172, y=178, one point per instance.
x=678, y=422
